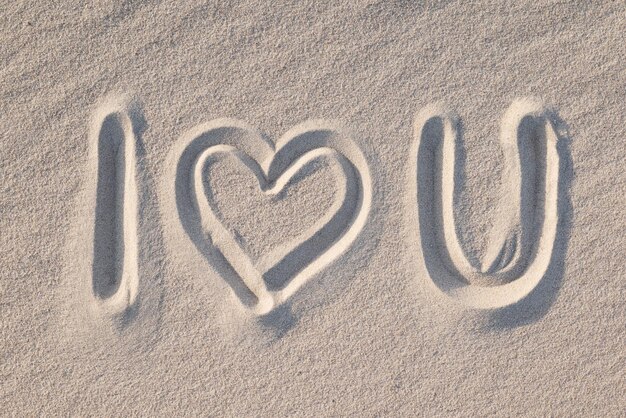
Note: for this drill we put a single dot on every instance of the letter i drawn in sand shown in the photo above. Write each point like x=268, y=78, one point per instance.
x=114, y=278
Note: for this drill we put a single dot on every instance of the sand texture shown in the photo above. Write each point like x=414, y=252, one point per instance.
x=272, y=209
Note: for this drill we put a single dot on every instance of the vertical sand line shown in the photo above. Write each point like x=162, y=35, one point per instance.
x=115, y=252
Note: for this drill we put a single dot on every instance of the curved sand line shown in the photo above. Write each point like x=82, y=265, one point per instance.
x=512, y=258
x=115, y=248
x=294, y=262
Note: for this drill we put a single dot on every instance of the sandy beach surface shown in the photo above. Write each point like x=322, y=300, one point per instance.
x=360, y=208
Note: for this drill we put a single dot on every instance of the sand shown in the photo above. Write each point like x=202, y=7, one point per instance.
x=298, y=209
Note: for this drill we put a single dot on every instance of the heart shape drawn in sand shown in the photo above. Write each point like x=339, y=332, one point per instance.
x=264, y=284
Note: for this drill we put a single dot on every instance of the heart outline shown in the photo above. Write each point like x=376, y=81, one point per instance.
x=274, y=161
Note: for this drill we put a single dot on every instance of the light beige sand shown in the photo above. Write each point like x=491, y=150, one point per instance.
x=295, y=209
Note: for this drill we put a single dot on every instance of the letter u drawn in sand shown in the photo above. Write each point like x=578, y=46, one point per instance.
x=263, y=284
x=522, y=243
x=115, y=258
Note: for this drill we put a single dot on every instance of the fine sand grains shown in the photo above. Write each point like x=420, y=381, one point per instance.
x=293, y=208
